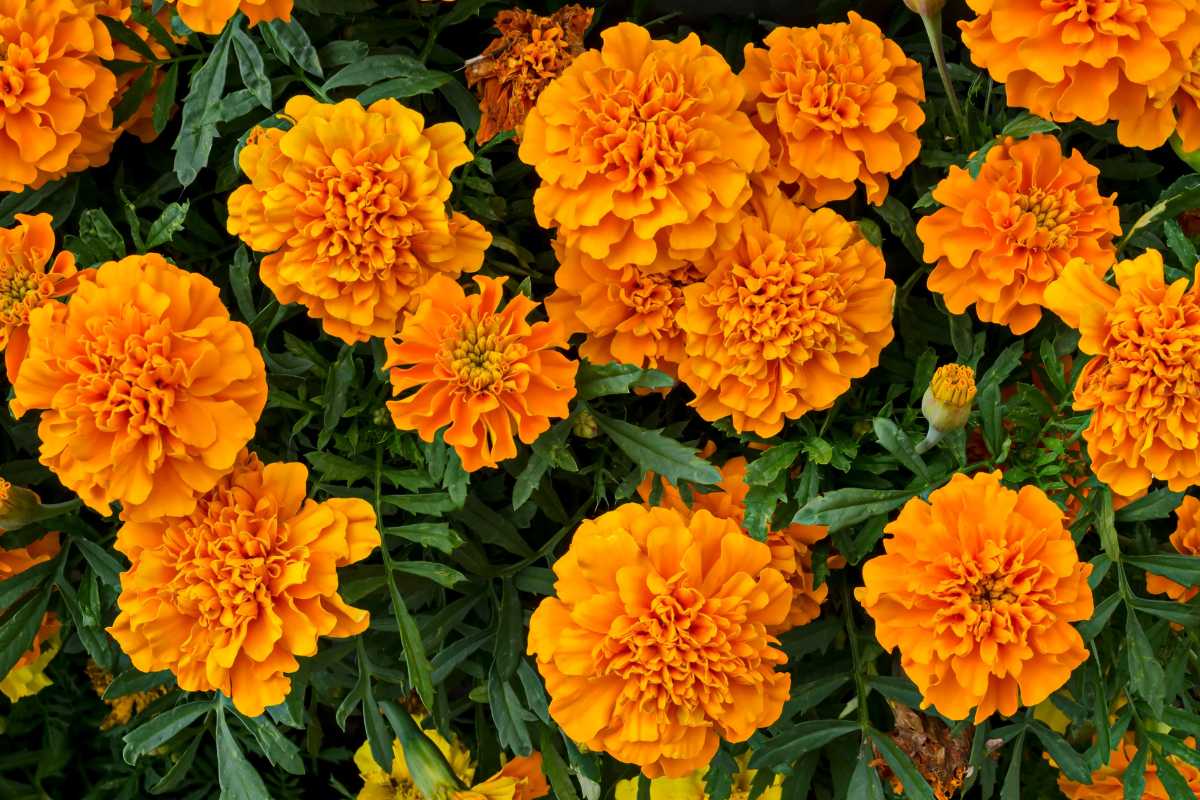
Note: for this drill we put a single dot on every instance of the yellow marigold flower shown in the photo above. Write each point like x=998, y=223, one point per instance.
x=1002, y=237
x=210, y=16
x=1186, y=541
x=55, y=92
x=839, y=104
x=691, y=786
x=351, y=205
x=150, y=389
x=31, y=275
x=641, y=149
x=978, y=588
x=124, y=708
x=787, y=316
x=479, y=368
x=517, y=65
x=28, y=675
x=398, y=784
x=947, y=402
x=1108, y=782
x=638, y=647
x=1140, y=385
x=228, y=595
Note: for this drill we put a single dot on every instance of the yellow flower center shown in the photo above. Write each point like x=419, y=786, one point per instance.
x=481, y=354
x=991, y=596
x=20, y=290
x=954, y=385
x=1053, y=215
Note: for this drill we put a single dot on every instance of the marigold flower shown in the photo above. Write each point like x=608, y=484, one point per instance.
x=980, y=604
x=947, y=402
x=31, y=275
x=124, y=708
x=1108, y=782
x=839, y=104
x=1141, y=385
x=228, y=595
x=692, y=785
x=150, y=389
x=656, y=645
x=1186, y=541
x=516, y=66
x=641, y=149
x=210, y=16
x=787, y=316
x=351, y=205
x=28, y=675
x=479, y=368
x=55, y=92
x=521, y=778
x=1002, y=237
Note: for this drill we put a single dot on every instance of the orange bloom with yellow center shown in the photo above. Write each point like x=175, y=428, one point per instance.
x=210, y=16
x=978, y=588
x=55, y=92
x=641, y=149
x=31, y=275
x=999, y=239
x=839, y=105
x=1186, y=541
x=1108, y=782
x=351, y=204
x=656, y=646
x=1143, y=383
x=228, y=595
x=481, y=369
x=150, y=389
x=786, y=317
x=517, y=65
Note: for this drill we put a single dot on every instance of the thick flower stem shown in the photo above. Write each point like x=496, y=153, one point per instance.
x=933, y=29
x=860, y=682
x=930, y=441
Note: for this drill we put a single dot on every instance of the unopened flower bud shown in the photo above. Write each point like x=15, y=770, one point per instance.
x=585, y=426
x=947, y=402
x=431, y=772
x=18, y=506
x=926, y=8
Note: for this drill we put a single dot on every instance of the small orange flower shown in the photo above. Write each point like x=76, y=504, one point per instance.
x=641, y=149
x=1141, y=386
x=1108, y=782
x=786, y=317
x=839, y=104
x=210, y=16
x=1002, y=237
x=228, y=595
x=1186, y=541
x=150, y=389
x=656, y=646
x=517, y=65
x=30, y=276
x=351, y=205
x=978, y=588
x=480, y=369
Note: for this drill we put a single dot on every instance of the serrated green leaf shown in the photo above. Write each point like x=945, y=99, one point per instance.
x=653, y=452
x=843, y=508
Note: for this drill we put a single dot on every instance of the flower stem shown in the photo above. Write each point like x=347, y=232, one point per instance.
x=860, y=683
x=933, y=29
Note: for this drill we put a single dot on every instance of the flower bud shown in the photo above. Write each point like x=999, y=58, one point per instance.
x=431, y=772
x=18, y=506
x=947, y=401
x=585, y=426
x=926, y=8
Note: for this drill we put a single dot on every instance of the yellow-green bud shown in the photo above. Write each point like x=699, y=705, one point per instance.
x=925, y=8
x=947, y=402
x=585, y=426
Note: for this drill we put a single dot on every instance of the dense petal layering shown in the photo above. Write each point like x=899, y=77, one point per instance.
x=31, y=275
x=839, y=105
x=1000, y=238
x=786, y=317
x=149, y=389
x=228, y=595
x=978, y=588
x=486, y=372
x=656, y=645
x=1143, y=383
x=1186, y=541
x=350, y=202
x=1108, y=782
x=641, y=148
x=210, y=16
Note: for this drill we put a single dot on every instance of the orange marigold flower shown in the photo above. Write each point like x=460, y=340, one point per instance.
x=1002, y=237
x=516, y=66
x=1108, y=782
x=210, y=16
x=479, y=368
x=980, y=605
x=656, y=646
x=839, y=104
x=31, y=275
x=641, y=149
x=55, y=92
x=351, y=205
x=150, y=389
x=1186, y=541
x=228, y=595
x=520, y=778
x=786, y=317
x=1141, y=386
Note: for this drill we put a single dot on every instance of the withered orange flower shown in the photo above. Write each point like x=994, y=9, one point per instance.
x=55, y=92
x=1141, y=385
x=1000, y=238
x=350, y=202
x=656, y=645
x=978, y=588
x=210, y=16
x=229, y=594
x=124, y=708
x=516, y=66
x=149, y=389
x=481, y=369
x=787, y=316
x=1186, y=541
x=942, y=756
x=31, y=275
x=641, y=148
x=839, y=105
x=1108, y=782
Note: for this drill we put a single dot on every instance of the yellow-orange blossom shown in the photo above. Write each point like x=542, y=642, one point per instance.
x=31, y=275
x=210, y=16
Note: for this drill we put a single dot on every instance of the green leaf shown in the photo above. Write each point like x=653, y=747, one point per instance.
x=98, y=231
x=1068, y=760
x=164, y=99
x=599, y=380
x=788, y=745
x=556, y=767
x=1180, y=244
x=1182, y=569
x=899, y=220
x=1180, y=196
x=19, y=626
x=808, y=695
x=198, y=127
x=492, y=528
x=278, y=749
x=915, y=786
x=1135, y=774
x=119, y=31
x=1155, y=505
x=1186, y=614
x=1145, y=672
x=169, y=223
x=1002, y=367
x=291, y=43
x=415, y=658
x=149, y=735
x=846, y=507
x=1106, y=527
x=179, y=770
x=1175, y=784
x=1011, y=790
x=1026, y=124
x=16, y=587
x=896, y=442
x=1177, y=718
x=132, y=99
x=107, y=568
x=510, y=633
x=653, y=452
x=377, y=732
x=251, y=67
x=238, y=780
x=400, y=70
x=508, y=715
x=1091, y=628
x=437, y=535
x=239, y=280
x=540, y=460
x=764, y=469
x=962, y=337
x=864, y=781
x=134, y=680
x=431, y=570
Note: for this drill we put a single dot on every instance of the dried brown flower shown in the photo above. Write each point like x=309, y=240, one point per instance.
x=940, y=756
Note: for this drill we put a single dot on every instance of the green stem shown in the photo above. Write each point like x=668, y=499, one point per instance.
x=933, y=29
x=860, y=683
